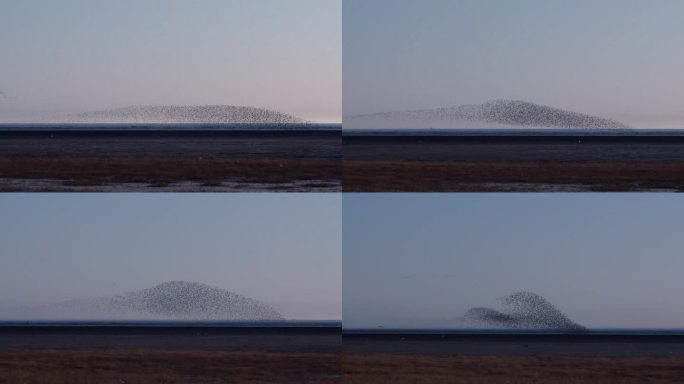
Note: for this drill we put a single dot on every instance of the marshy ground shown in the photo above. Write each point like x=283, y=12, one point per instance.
x=117, y=366
x=418, y=369
x=570, y=358
x=510, y=164
x=169, y=354
x=170, y=161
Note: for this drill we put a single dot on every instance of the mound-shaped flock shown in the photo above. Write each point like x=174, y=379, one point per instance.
x=171, y=114
x=176, y=300
x=505, y=113
x=523, y=310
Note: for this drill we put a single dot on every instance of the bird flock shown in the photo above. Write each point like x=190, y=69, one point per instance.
x=523, y=310
x=170, y=114
x=511, y=113
x=174, y=300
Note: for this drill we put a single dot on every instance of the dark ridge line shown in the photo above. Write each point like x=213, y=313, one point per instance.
x=170, y=133
x=361, y=139
x=168, y=330
x=522, y=337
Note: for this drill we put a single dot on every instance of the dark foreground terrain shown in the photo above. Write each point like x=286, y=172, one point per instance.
x=512, y=359
x=418, y=369
x=150, y=365
x=517, y=163
x=316, y=355
x=169, y=355
x=174, y=160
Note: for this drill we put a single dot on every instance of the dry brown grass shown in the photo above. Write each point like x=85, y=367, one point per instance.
x=417, y=176
x=398, y=369
x=172, y=367
x=161, y=171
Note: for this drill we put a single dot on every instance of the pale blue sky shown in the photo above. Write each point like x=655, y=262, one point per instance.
x=78, y=55
x=284, y=249
x=422, y=260
x=619, y=59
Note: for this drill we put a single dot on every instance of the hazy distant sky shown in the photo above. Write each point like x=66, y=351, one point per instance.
x=619, y=59
x=422, y=260
x=284, y=249
x=73, y=56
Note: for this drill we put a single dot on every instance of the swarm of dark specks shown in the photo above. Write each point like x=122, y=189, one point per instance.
x=512, y=113
x=524, y=310
x=176, y=300
x=170, y=114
